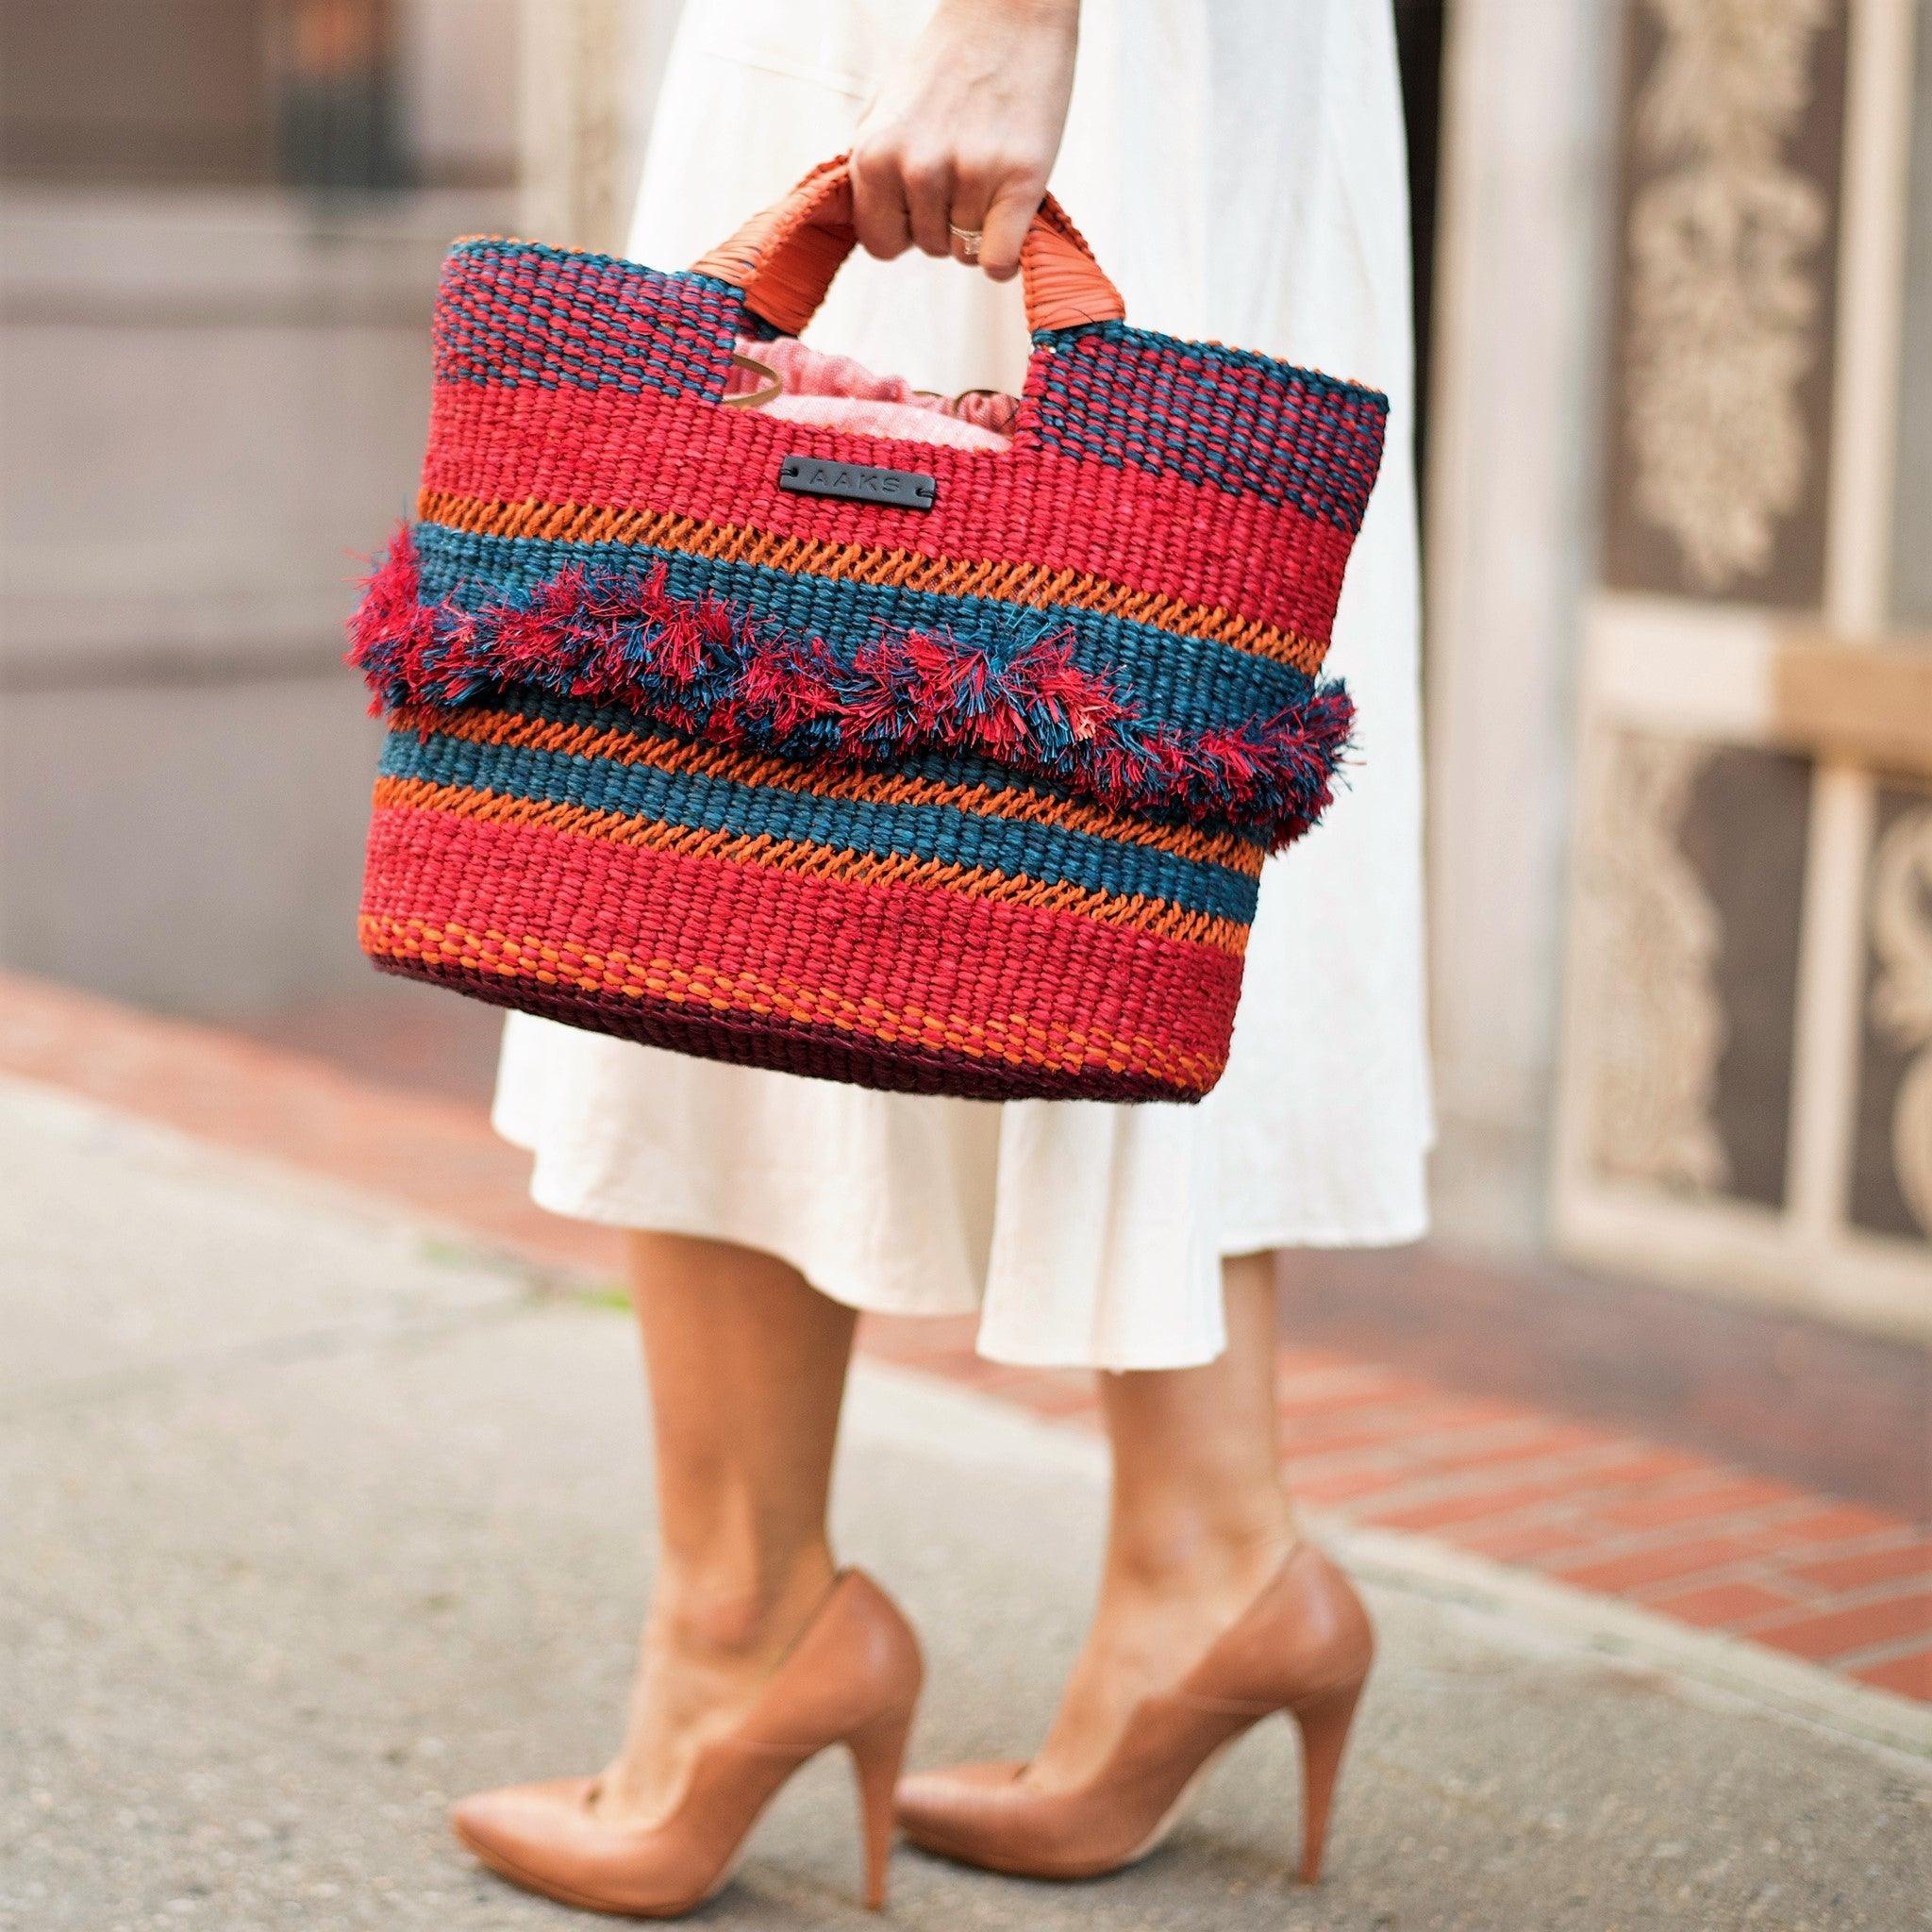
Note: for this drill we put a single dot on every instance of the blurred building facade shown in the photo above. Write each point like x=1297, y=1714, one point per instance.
x=1679, y=500
x=1676, y=257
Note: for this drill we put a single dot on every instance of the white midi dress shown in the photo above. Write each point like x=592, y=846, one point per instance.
x=1239, y=167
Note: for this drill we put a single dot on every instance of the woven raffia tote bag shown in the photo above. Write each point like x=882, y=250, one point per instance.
x=934, y=768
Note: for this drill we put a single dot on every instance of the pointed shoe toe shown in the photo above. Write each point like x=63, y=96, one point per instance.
x=942, y=1808
x=986, y=1815
x=516, y=1829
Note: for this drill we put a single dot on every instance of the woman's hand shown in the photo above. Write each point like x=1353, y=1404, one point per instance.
x=965, y=134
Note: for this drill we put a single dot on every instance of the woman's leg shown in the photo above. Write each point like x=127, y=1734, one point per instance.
x=746, y=1367
x=1201, y=1521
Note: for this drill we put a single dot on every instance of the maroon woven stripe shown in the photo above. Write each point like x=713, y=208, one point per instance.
x=784, y=1046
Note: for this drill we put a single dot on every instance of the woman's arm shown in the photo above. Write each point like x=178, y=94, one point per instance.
x=966, y=132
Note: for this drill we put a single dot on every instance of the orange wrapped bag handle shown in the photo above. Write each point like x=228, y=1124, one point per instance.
x=784, y=259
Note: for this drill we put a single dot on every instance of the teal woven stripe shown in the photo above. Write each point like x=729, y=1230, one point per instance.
x=945, y=833
x=1114, y=394
x=939, y=767
x=1194, y=684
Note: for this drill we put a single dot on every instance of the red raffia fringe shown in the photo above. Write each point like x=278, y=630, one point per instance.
x=714, y=671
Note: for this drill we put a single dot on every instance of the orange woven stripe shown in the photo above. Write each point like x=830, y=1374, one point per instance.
x=1011, y=583
x=1016, y=1042
x=485, y=726
x=1156, y=916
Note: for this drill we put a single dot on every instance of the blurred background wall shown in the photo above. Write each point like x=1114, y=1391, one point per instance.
x=221, y=223
x=1675, y=268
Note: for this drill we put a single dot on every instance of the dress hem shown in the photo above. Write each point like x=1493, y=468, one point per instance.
x=841, y=1284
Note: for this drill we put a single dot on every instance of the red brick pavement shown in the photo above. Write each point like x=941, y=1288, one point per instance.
x=1719, y=1547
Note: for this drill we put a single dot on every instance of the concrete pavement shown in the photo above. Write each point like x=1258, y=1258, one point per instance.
x=310, y=1519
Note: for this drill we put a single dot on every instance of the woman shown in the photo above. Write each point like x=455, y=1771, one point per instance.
x=1238, y=166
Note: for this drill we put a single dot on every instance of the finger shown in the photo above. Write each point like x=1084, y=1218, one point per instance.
x=1005, y=228
x=928, y=201
x=967, y=214
x=878, y=207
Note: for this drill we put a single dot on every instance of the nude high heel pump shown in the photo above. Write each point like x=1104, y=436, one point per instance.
x=1302, y=1648
x=852, y=1679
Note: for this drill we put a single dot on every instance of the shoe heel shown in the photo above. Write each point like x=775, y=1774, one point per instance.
x=879, y=1751
x=1324, y=1722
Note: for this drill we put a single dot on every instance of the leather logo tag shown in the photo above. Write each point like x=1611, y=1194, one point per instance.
x=859, y=482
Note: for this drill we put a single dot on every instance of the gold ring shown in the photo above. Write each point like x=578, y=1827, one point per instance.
x=968, y=238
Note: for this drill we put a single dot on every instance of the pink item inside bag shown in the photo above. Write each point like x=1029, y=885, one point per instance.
x=839, y=394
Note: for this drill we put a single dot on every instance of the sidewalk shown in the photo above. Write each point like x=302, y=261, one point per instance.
x=1715, y=1546
x=317, y=1517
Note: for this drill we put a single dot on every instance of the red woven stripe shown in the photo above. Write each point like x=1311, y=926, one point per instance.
x=1152, y=532
x=1086, y=988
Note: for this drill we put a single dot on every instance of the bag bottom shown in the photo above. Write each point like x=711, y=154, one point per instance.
x=781, y=1046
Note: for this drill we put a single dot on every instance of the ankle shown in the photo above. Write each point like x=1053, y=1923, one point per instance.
x=724, y=1612
x=1211, y=1552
